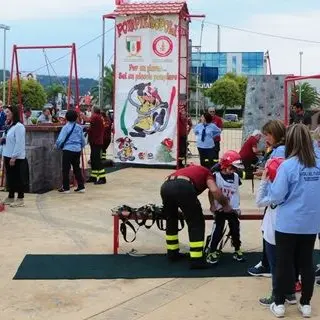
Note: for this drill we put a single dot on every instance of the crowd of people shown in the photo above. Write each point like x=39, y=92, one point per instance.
x=289, y=169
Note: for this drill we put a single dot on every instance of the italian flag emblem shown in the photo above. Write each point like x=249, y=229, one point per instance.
x=133, y=45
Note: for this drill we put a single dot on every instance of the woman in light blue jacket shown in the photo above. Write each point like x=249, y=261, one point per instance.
x=296, y=192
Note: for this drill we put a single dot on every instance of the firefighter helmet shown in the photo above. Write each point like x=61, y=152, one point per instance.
x=272, y=166
x=231, y=158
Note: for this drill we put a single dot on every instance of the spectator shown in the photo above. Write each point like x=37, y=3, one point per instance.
x=249, y=153
x=205, y=132
x=27, y=117
x=185, y=125
x=300, y=116
x=46, y=117
x=217, y=140
x=71, y=141
x=2, y=116
x=296, y=190
x=14, y=153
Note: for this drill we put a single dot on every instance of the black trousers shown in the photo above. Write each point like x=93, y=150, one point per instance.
x=248, y=167
x=206, y=157
x=95, y=158
x=182, y=151
x=289, y=246
x=234, y=226
x=69, y=159
x=16, y=177
x=181, y=194
x=216, y=151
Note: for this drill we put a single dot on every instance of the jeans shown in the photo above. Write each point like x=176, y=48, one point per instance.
x=288, y=248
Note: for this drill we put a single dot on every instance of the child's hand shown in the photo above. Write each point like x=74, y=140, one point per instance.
x=258, y=173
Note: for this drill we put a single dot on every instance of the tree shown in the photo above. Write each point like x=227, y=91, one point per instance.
x=309, y=95
x=242, y=82
x=225, y=92
x=53, y=90
x=32, y=93
x=107, y=87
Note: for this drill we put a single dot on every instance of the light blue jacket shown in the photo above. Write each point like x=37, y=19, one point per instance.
x=278, y=152
x=76, y=141
x=212, y=131
x=15, y=146
x=296, y=191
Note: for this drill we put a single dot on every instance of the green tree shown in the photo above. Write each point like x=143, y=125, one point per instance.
x=53, y=90
x=107, y=87
x=32, y=93
x=242, y=82
x=309, y=95
x=225, y=92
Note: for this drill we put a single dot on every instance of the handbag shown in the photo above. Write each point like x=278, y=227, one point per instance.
x=61, y=146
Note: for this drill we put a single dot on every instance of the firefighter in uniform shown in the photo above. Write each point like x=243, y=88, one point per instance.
x=107, y=134
x=185, y=125
x=181, y=190
x=95, y=136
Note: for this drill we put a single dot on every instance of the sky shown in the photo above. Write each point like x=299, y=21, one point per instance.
x=39, y=22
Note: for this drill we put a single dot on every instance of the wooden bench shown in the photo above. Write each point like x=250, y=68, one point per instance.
x=247, y=215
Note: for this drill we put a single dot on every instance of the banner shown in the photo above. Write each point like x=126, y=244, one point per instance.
x=146, y=89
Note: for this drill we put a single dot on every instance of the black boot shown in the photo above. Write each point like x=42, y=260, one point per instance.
x=101, y=181
x=199, y=263
x=174, y=256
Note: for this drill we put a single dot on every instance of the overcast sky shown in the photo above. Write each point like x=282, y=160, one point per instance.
x=38, y=22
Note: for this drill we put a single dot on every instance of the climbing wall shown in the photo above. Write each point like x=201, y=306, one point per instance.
x=264, y=102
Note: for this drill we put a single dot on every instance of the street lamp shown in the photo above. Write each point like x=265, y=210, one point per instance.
x=300, y=91
x=5, y=29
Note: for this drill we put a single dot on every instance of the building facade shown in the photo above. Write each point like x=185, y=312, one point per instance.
x=213, y=65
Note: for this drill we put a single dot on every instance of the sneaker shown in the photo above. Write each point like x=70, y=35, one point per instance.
x=305, y=310
x=8, y=201
x=213, y=257
x=61, y=190
x=266, y=302
x=291, y=299
x=18, y=203
x=298, y=286
x=318, y=272
x=80, y=190
x=259, y=271
x=238, y=256
x=278, y=310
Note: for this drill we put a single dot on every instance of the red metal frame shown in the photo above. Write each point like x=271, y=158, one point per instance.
x=292, y=78
x=15, y=67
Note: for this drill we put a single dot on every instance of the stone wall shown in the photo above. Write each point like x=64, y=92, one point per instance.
x=264, y=102
x=45, y=163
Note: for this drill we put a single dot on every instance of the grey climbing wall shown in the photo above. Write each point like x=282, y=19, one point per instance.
x=264, y=101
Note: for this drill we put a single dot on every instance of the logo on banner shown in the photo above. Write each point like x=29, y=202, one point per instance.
x=162, y=46
x=133, y=45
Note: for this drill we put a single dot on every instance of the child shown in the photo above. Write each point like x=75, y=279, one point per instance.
x=268, y=225
x=228, y=182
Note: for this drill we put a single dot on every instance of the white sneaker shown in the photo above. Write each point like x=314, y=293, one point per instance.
x=305, y=310
x=8, y=201
x=279, y=310
x=17, y=204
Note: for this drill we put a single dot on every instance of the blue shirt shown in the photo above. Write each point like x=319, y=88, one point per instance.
x=296, y=191
x=278, y=152
x=212, y=131
x=76, y=140
x=15, y=146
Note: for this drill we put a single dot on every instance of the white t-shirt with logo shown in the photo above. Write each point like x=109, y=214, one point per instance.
x=229, y=186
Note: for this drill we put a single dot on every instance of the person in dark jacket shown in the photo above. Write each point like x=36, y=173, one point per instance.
x=95, y=136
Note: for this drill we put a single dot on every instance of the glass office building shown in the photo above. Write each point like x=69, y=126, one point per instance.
x=246, y=63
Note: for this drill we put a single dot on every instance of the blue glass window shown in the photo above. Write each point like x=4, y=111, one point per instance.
x=222, y=70
x=234, y=64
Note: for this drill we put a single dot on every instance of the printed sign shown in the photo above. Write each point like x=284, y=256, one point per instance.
x=146, y=89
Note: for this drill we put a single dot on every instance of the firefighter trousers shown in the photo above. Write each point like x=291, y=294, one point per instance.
x=182, y=194
x=97, y=170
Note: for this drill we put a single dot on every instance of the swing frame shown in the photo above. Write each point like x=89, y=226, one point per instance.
x=15, y=67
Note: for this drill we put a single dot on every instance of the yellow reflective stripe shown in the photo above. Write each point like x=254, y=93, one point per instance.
x=198, y=244
x=102, y=171
x=173, y=246
x=196, y=254
x=172, y=237
x=93, y=175
x=206, y=160
x=243, y=175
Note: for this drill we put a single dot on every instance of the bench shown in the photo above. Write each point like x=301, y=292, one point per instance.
x=248, y=215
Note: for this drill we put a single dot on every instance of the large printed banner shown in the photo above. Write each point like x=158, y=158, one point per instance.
x=146, y=89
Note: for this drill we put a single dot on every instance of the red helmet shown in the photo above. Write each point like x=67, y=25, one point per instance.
x=272, y=166
x=231, y=158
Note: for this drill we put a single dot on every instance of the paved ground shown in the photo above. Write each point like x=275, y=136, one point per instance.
x=55, y=223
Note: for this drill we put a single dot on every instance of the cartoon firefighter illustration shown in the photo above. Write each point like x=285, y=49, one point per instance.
x=152, y=113
x=126, y=148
